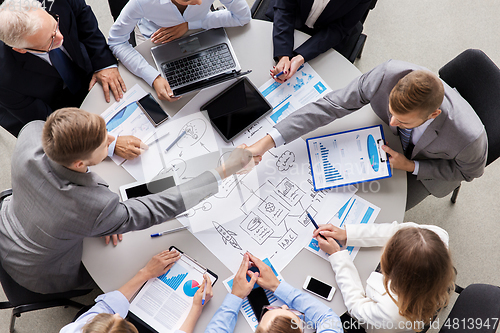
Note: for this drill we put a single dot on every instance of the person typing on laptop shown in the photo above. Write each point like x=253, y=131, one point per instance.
x=164, y=21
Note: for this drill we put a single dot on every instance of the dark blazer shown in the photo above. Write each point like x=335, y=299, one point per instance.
x=30, y=88
x=333, y=25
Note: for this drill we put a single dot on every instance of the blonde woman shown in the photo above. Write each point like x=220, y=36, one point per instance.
x=416, y=274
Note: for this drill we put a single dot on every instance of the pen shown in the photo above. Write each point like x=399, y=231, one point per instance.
x=171, y=231
x=158, y=138
x=279, y=74
x=314, y=223
x=204, y=293
x=175, y=141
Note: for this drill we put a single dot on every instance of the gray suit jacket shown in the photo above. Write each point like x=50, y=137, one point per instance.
x=453, y=148
x=52, y=209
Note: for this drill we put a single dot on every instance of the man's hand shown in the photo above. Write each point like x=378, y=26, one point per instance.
x=115, y=238
x=163, y=90
x=160, y=263
x=241, y=287
x=129, y=147
x=240, y=161
x=164, y=35
x=262, y=146
x=399, y=161
x=267, y=279
x=110, y=79
x=289, y=68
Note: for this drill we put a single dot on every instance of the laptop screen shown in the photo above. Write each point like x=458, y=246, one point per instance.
x=236, y=108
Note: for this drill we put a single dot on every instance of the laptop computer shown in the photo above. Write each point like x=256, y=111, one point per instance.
x=197, y=61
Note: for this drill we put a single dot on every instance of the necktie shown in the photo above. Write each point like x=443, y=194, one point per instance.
x=405, y=135
x=66, y=69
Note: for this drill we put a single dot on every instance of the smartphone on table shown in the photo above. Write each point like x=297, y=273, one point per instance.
x=152, y=110
x=319, y=288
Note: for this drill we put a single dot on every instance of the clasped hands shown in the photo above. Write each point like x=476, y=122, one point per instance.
x=287, y=66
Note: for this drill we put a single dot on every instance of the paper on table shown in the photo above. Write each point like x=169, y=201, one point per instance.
x=304, y=87
x=126, y=118
x=199, y=140
x=356, y=211
x=246, y=308
x=348, y=157
x=164, y=302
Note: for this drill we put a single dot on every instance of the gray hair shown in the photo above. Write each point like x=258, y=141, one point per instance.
x=18, y=21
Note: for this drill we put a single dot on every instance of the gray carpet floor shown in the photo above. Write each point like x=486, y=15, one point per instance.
x=425, y=32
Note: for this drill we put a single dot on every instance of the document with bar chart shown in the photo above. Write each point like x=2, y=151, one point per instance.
x=164, y=302
x=349, y=157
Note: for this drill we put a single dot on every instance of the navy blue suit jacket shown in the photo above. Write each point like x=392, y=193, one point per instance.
x=30, y=88
x=334, y=24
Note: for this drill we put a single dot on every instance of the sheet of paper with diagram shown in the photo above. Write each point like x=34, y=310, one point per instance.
x=264, y=211
x=356, y=211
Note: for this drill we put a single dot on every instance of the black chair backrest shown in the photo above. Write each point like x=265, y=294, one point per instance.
x=477, y=309
x=259, y=9
x=477, y=79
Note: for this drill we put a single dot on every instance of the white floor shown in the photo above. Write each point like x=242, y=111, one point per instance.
x=425, y=32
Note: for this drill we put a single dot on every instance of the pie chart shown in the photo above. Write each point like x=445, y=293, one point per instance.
x=190, y=288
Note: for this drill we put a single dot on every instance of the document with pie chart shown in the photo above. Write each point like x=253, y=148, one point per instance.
x=349, y=157
x=164, y=302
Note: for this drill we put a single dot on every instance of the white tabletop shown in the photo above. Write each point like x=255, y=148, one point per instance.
x=112, y=266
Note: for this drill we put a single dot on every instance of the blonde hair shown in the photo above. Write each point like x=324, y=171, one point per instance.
x=18, y=21
x=72, y=134
x=107, y=323
x=281, y=324
x=418, y=266
x=419, y=91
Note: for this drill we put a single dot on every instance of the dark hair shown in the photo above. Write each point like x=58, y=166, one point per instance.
x=417, y=265
x=420, y=91
x=107, y=323
x=281, y=324
x=72, y=134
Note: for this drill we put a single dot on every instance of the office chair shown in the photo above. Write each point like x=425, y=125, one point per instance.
x=351, y=48
x=477, y=309
x=23, y=300
x=477, y=79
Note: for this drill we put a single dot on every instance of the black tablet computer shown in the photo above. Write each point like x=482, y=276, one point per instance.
x=236, y=108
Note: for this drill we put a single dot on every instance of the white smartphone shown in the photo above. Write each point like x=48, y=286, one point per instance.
x=319, y=288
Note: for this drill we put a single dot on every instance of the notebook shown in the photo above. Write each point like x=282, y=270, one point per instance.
x=197, y=61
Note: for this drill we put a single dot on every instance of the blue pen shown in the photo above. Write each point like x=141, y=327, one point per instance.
x=175, y=141
x=204, y=293
x=171, y=231
x=280, y=73
x=314, y=223
x=317, y=227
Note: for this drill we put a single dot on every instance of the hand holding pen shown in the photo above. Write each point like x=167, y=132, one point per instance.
x=325, y=239
x=204, y=293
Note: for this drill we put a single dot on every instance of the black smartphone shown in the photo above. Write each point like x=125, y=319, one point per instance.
x=257, y=299
x=152, y=110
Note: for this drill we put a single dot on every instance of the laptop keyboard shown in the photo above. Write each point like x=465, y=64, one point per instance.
x=209, y=62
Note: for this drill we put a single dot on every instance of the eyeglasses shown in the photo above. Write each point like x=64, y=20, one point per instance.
x=267, y=308
x=56, y=17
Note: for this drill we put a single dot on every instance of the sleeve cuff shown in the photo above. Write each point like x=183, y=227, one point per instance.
x=112, y=66
x=194, y=25
x=111, y=148
x=150, y=75
x=283, y=291
x=216, y=175
x=233, y=302
x=116, y=301
x=415, y=172
x=277, y=137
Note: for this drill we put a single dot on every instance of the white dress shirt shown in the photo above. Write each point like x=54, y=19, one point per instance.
x=163, y=13
x=317, y=8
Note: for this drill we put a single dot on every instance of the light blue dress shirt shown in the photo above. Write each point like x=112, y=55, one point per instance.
x=112, y=302
x=154, y=14
x=316, y=313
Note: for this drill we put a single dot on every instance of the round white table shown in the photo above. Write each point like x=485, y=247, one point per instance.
x=113, y=266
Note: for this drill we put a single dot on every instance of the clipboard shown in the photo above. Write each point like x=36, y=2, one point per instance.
x=348, y=157
x=161, y=305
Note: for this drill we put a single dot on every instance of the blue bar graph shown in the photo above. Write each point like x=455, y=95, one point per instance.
x=331, y=174
x=174, y=277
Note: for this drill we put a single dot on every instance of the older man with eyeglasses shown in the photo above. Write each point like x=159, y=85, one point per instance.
x=50, y=57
